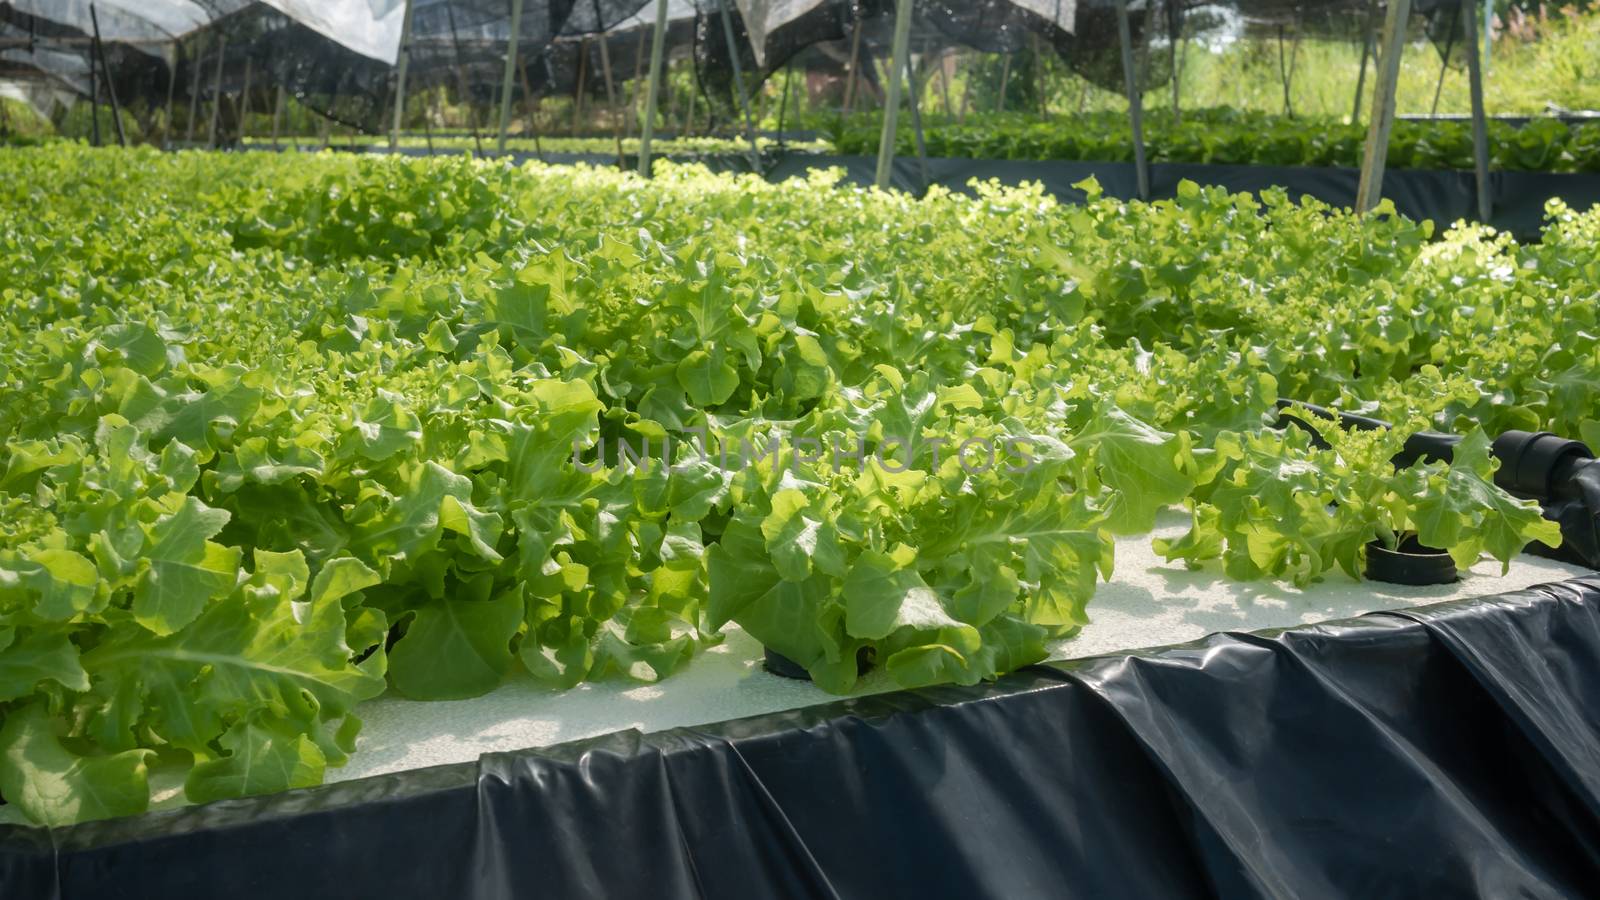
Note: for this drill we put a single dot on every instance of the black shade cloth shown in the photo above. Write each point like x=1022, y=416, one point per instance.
x=1448, y=751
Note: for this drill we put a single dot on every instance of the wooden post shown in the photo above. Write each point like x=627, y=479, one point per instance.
x=1286, y=71
x=1488, y=35
x=1005, y=81
x=891, y=105
x=404, y=63
x=244, y=100
x=631, y=114
x=945, y=61
x=216, y=92
x=1038, y=75
x=916, y=120
x=277, y=116
x=461, y=78
x=1480, y=127
x=427, y=127
x=583, y=71
x=194, y=99
x=783, y=104
x=1376, y=151
x=694, y=93
x=611, y=90
x=738, y=84
x=1174, y=34
x=172, y=87
x=532, y=109
x=1366, y=51
x=855, y=61
x=1444, y=64
x=670, y=114
x=1130, y=79
x=966, y=94
x=658, y=44
x=94, y=98
x=105, y=75
x=511, y=69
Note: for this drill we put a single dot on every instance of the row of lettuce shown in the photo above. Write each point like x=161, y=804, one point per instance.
x=281, y=433
x=681, y=146
x=1241, y=137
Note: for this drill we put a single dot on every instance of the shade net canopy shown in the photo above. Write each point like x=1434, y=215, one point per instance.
x=338, y=59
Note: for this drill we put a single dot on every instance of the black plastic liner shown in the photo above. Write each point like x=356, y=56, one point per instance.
x=1449, y=751
x=1442, y=196
x=1518, y=198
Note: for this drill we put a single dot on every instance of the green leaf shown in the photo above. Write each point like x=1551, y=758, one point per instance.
x=1140, y=462
x=1465, y=513
x=68, y=583
x=881, y=595
x=708, y=377
x=36, y=657
x=263, y=757
x=185, y=570
x=456, y=648
x=54, y=786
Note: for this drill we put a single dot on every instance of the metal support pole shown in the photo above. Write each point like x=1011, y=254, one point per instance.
x=738, y=84
x=1376, y=150
x=658, y=44
x=404, y=63
x=1480, y=127
x=898, y=61
x=1366, y=51
x=1130, y=79
x=216, y=92
x=511, y=69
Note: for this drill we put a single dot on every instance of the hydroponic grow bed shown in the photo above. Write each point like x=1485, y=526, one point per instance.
x=1151, y=603
x=288, y=433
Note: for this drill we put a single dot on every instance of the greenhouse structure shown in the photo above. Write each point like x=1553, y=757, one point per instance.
x=799, y=448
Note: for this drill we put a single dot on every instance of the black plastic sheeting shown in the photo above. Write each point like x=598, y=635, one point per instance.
x=1443, y=196
x=1448, y=751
